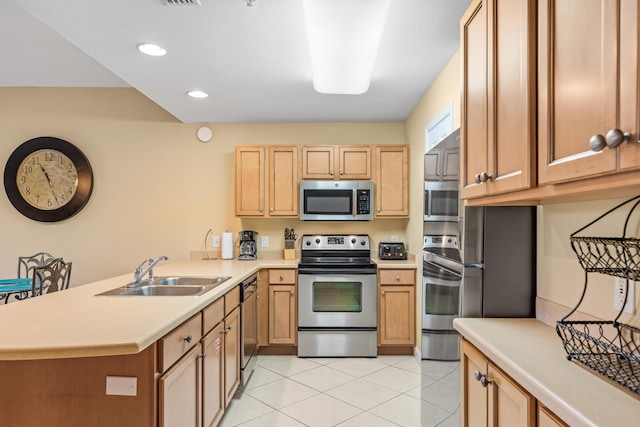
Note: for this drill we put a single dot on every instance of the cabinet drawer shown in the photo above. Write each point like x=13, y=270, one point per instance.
x=397, y=277
x=212, y=315
x=231, y=300
x=177, y=342
x=279, y=277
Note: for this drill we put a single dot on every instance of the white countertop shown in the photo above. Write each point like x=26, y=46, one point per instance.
x=76, y=323
x=532, y=354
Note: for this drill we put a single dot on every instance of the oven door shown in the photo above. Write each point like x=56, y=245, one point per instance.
x=337, y=300
x=441, y=201
x=441, y=292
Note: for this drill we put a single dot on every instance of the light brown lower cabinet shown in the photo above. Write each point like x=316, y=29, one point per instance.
x=179, y=392
x=491, y=398
x=396, y=308
x=283, y=303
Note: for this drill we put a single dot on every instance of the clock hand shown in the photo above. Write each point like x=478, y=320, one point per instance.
x=49, y=181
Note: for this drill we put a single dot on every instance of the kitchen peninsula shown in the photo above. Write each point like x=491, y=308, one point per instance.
x=62, y=347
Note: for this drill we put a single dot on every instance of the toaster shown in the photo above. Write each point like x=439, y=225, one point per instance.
x=391, y=250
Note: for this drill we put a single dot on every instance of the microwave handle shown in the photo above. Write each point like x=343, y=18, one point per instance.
x=354, y=208
x=428, y=201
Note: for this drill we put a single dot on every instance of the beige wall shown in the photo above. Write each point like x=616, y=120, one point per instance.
x=157, y=189
x=560, y=277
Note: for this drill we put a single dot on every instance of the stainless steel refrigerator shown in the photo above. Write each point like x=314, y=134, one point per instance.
x=485, y=268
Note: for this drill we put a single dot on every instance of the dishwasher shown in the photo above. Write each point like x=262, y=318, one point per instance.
x=248, y=327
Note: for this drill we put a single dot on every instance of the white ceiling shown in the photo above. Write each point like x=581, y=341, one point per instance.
x=253, y=61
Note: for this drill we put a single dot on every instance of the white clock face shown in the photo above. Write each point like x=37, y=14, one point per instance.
x=47, y=179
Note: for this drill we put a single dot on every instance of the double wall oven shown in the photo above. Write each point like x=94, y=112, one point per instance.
x=337, y=297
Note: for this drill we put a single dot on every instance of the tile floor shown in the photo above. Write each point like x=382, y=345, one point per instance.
x=287, y=391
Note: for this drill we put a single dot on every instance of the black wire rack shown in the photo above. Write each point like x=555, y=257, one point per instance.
x=608, y=347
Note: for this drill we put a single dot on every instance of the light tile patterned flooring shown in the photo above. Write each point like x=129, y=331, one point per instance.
x=287, y=391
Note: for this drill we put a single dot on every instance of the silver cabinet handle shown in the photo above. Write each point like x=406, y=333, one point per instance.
x=292, y=292
x=226, y=330
x=203, y=355
x=482, y=378
x=398, y=278
x=341, y=172
x=382, y=293
x=379, y=209
x=484, y=177
x=615, y=137
x=188, y=338
x=261, y=210
x=476, y=178
x=281, y=277
x=270, y=209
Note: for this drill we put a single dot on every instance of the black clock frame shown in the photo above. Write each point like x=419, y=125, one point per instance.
x=85, y=179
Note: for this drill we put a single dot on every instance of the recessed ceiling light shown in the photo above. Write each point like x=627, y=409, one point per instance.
x=151, y=49
x=197, y=94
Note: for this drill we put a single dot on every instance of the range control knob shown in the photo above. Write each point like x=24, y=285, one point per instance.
x=362, y=242
x=308, y=242
x=353, y=240
x=317, y=240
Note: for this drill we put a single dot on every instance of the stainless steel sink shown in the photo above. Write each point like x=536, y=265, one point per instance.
x=169, y=286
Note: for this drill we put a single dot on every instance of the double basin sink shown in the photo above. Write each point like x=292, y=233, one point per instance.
x=169, y=286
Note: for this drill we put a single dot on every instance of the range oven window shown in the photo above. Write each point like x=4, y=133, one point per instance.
x=328, y=202
x=441, y=300
x=344, y=297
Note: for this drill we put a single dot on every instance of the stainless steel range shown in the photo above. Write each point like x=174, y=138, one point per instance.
x=337, y=297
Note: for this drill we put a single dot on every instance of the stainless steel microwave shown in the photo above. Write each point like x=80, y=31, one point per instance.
x=441, y=201
x=336, y=200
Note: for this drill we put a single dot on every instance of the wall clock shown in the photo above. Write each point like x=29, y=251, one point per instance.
x=48, y=179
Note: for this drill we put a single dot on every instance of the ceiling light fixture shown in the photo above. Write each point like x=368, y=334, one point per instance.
x=197, y=94
x=344, y=39
x=151, y=49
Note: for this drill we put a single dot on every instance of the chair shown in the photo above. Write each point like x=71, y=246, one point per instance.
x=26, y=264
x=51, y=277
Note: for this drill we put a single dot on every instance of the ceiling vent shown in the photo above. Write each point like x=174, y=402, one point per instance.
x=181, y=2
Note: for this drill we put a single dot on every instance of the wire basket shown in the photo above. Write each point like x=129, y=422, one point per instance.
x=610, y=348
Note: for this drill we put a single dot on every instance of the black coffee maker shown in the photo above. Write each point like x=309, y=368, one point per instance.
x=248, y=245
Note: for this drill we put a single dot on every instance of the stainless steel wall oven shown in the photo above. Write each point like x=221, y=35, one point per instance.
x=337, y=297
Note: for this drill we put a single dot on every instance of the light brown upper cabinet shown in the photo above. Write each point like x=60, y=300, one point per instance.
x=336, y=162
x=588, y=70
x=498, y=132
x=391, y=181
x=266, y=182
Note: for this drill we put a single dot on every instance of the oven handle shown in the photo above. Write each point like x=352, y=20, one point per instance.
x=455, y=273
x=337, y=271
x=330, y=329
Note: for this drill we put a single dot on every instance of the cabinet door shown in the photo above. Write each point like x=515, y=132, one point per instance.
x=511, y=77
x=451, y=165
x=282, y=314
x=473, y=120
x=263, y=308
x=283, y=181
x=317, y=162
x=546, y=418
x=179, y=392
x=231, y=354
x=629, y=88
x=391, y=181
x=250, y=181
x=213, y=403
x=354, y=162
x=578, y=85
x=396, y=323
x=432, y=165
x=509, y=404
x=474, y=395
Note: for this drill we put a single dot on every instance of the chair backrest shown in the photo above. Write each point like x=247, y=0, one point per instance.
x=26, y=264
x=51, y=277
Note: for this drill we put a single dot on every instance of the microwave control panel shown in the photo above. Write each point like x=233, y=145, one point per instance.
x=364, y=202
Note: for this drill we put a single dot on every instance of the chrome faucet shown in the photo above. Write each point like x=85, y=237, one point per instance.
x=139, y=273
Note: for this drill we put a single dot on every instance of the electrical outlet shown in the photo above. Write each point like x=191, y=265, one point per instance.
x=215, y=242
x=619, y=291
x=394, y=238
x=265, y=241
